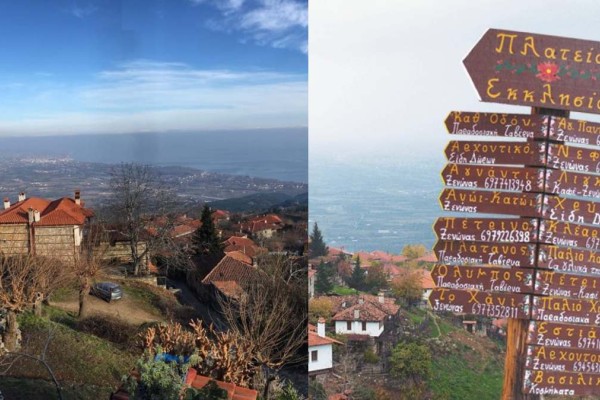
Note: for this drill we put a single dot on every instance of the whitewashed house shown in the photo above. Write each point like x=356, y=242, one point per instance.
x=320, y=349
x=363, y=318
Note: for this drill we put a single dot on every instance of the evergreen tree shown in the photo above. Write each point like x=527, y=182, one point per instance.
x=324, y=278
x=317, y=244
x=205, y=239
x=357, y=279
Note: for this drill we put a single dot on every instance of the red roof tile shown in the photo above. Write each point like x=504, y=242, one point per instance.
x=238, y=255
x=230, y=269
x=62, y=211
x=315, y=340
x=367, y=312
x=234, y=392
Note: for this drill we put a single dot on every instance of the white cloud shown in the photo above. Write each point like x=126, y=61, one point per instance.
x=145, y=96
x=82, y=11
x=276, y=23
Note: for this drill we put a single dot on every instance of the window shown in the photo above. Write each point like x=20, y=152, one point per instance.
x=364, y=326
x=349, y=325
x=314, y=355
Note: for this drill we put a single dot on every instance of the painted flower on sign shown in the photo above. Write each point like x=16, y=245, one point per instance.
x=547, y=72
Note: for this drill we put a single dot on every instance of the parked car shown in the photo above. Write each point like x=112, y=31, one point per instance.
x=107, y=290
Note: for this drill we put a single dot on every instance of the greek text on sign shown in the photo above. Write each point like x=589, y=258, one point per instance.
x=493, y=305
x=478, y=253
x=536, y=70
x=567, y=259
x=489, y=279
x=494, y=177
x=563, y=335
x=575, y=131
x=567, y=234
x=522, y=126
x=565, y=360
x=558, y=284
x=486, y=202
x=560, y=383
x=571, y=210
x=577, y=159
x=565, y=183
x=497, y=230
x=567, y=311
x=504, y=153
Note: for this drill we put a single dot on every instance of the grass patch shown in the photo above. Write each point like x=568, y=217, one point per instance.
x=38, y=389
x=75, y=357
x=64, y=294
x=455, y=379
x=416, y=315
x=344, y=291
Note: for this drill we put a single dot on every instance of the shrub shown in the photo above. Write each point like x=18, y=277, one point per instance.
x=370, y=357
x=109, y=328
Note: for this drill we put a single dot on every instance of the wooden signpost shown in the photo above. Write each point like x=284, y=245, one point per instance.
x=541, y=268
x=536, y=70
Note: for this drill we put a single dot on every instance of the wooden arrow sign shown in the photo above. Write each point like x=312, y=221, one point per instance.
x=574, y=131
x=493, y=305
x=570, y=260
x=523, y=179
x=523, y=126
x=498, y=230
x=559, y=284
x=571, y=210
x=536, y=70
x=560, y=383
x=477, y=253
x=565, y=183
x=567, y=234
x=489, y=279
x=577, y=159
x=568, y=311
x=505, y=153
x=480, y=201
x=563, y=335
x=542, y=358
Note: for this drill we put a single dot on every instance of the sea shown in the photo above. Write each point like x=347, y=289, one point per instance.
x=376, y=203
x=265, y=153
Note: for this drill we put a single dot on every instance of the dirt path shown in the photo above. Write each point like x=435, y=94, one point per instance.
x=126, y=309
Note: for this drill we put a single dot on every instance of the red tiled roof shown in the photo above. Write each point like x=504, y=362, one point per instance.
x=243, y=245
x=388, y=306
x=367, y=312
x=182, y=230
x=234, y=392
x=62, y=211
x=238, y=255
x=315, y=340
x=239, y=241
x=230, y=269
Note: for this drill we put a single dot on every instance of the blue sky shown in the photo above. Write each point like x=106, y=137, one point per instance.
x=111, y=66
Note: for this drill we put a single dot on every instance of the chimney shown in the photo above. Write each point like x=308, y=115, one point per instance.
x=381, y=297
x=356, y=314
x=30, y=215
x=321, y=327
x=36, y=215
x=6, y=203
x=78, y=197
x=22, y=196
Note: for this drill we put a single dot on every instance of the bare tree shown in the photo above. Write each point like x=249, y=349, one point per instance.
x=89, y=264
x=271, y=316
x=141, y=209
x=25, y=281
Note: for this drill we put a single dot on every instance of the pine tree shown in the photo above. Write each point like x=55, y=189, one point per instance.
x=317, y=244
x=357, y=279
x=205, y=239
x=324, y=278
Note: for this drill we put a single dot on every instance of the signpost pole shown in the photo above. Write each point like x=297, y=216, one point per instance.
x=516, y=331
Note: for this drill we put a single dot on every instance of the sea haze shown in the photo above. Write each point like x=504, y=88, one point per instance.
x=377, y=203
x=264, y=153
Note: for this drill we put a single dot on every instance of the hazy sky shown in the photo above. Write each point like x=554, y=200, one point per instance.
x=385, y=73
x=109, y=66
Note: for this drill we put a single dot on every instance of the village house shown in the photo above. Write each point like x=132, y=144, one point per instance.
x=263, y=227
x=52, y=228
x=228, y=278
x=243, y=245
x=362, y=315
x=320, y=349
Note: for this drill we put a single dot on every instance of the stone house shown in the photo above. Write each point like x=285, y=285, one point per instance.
x=52, y=228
